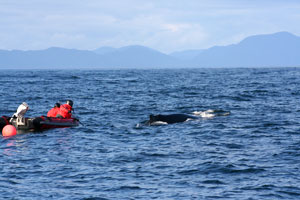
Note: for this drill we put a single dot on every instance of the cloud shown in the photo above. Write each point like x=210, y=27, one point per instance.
x=164, y=25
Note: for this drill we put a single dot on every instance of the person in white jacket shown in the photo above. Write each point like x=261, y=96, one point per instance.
x=22, y=109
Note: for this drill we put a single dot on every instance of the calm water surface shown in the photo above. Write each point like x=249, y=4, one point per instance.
x=254, y=153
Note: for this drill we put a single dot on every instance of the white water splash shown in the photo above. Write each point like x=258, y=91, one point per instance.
x=210, y=113
x=157, y=123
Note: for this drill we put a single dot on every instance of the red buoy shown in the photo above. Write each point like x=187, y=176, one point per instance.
x=9, y=130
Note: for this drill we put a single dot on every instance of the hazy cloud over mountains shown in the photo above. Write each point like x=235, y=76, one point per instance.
x=274, y=50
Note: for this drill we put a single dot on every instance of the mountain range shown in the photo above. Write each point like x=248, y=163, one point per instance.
x=280, y=49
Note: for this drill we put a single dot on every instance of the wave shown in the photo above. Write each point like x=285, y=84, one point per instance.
x=211, y=113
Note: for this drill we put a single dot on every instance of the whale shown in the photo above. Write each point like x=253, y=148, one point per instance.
x=162, y=119
x=170, y=118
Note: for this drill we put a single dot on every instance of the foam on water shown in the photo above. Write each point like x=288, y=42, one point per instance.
x=211, y=113
x=205, y=114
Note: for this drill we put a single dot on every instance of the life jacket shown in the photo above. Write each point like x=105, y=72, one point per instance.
x=65, y=111
x=53, y=112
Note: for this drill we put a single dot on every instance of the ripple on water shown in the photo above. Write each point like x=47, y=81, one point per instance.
x=253, y=153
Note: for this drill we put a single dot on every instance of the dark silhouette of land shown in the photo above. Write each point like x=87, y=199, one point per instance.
x=273, y=50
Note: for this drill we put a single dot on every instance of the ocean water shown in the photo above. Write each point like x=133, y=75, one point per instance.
x=253, y=153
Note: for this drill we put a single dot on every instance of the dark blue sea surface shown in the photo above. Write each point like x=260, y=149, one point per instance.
x=253, y=153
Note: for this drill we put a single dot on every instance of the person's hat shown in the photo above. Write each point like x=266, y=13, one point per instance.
x=70, y=102
x=57, y=105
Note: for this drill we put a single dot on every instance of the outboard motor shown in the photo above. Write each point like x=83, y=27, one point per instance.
x=22, y=109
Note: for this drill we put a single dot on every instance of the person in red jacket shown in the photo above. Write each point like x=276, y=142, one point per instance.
x=53, y=112
x=65, y=110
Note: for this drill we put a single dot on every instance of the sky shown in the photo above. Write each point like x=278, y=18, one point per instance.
x=164, y=25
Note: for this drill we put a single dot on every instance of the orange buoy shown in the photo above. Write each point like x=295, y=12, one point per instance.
x=9, y=130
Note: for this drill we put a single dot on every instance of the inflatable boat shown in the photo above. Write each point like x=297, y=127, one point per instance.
x=38, y=123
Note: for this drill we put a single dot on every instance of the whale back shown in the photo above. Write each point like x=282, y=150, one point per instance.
x=171, y=118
